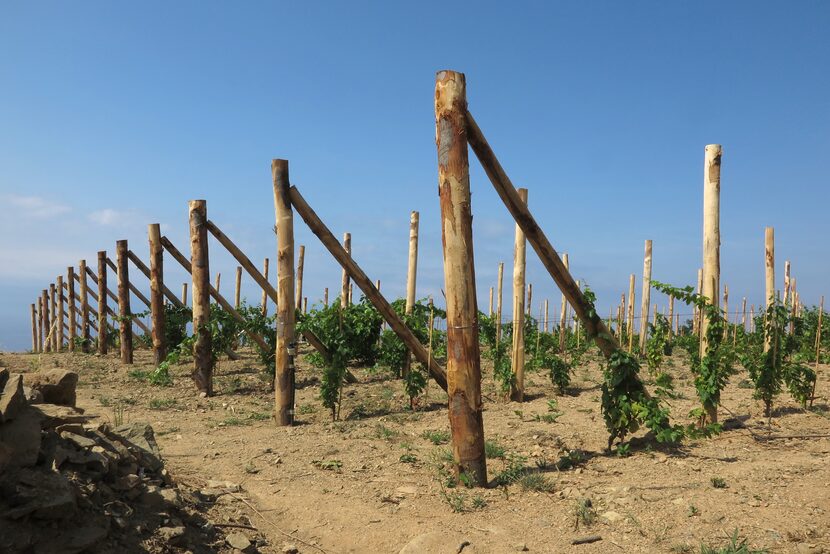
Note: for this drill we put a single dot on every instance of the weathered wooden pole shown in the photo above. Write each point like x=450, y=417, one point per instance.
x=45, y=321
x=769, y=274
x=563, y=313
x=411, y=274
x=124, y=313
x=237, y=295
x=265, y=268
x=184, y=294
x=463, y=359
x=344, y=288
x=645, y=299
x=726, y=310
x=39, y=347
x=157, y=292
x=300, y=264
x=286, y=346
x=490, y=308
x=53, y=325
x=743, y=314
x=711, y=251
x=630, y=315
x=61, y=313
x=696, y=311
x=529, y=302
x=326, y=297
x=34, y=329
x=73, y=315
x=787, y=282
x=499, y=295
x=218, y=281
x=84, y=292
x=671, y=315
x=200, y=274
x=518, y=352
x=546, y=316
x=102, y=303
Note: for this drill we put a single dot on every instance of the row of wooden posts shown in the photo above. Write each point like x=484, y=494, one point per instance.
x=456, y=131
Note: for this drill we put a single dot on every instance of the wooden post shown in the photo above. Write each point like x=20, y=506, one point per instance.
x=696, y=311
x=102, y=302
x=518, y=352
x=671, y=315
x=326, y=297
x=500, y=289
x=200, y=273
x=61, y=314
x=646, y=297
x=787, y=282
x=45, y=320
x=546, y=316
x=769, y=274
x=631, y=283
x=711, y=250
x=529, y=302
x=56, y=347
x=411, y=274
x=124, y=313
x=184, y=294
x=300, y=263
x=743, y=314
x=286, y=346
x=344, y=288
x=490, y=309
x=39, y=347
x=463, y=360
x=372, y=293
x=34, y=329
x=218, y=281
x=264, y=294
x=563, y=314
x=84, y=291
x=157, y=293
x=73, y=316
x=237, y=296
x=726, y=310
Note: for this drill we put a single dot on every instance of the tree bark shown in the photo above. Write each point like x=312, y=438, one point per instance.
x=518, y=352
x=711, y=249
x=84, y=291
x=463, y=359
x=286, y=344
x=299, y=283
x=769, y=275
x=73, y=315
x=157, y=292
x=200, y=273
x=102, y=303
x=124, y=312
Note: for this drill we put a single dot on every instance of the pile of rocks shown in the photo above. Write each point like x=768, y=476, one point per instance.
x=68, y=484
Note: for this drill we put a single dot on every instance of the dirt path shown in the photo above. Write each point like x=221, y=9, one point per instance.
x=373, y=481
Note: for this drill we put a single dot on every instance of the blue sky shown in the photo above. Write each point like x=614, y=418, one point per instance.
x=114, y=115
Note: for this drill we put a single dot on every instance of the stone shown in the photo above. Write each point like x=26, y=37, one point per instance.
x=21, y=439
x=153, y=499
x=4, y=377
x=78, y=440
x=174, y=536
x=521, y=547
x=75, y=540
x=290, y=549
x=140, y=440
x=171, y=497
x=238, y=541
x=126, y=482
x=53, y=416
x=12, y=399
x=225, y=486
x=32, y=396
x=56, y=385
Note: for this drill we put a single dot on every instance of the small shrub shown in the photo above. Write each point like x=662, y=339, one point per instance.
x=718, y=482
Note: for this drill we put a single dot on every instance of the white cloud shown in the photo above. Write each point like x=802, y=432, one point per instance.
x=107, y=216
x=35, y=206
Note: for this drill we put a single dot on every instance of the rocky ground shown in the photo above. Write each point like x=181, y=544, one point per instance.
x=375, y=481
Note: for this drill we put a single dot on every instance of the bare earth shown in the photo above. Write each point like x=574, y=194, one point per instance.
x=343, y=487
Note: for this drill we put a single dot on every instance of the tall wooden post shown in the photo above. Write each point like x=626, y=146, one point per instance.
x=769, y=274
x=284, y=378
x=39, y=347
x=529, y=302
x=124, y=313
x=237, y=296
x=645, y=299
x=518, y=353
x=344, y=288
x=300, y=264
x=102, y=303
x=463, y=359
x=200, y=273
x=787, y=282
x=184, y=294
x=84, y=292
x=411, y=274
x=743, y=314
x=326, y=297
x=711, y=250
x=70, y=297
x=563, y=313
x=218, y=281
x=726, y=310
x=490, y=308
x=546, y=316
x=671, y=315
x=499, y=294
x=61, y=313
x=265, y=268
x=157, y=292
x=45, y=321
x=53, y=324
x=34, y=329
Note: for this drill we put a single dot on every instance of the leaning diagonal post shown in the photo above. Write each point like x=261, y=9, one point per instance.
x=594, y=325
x=463, y=354
x=372, y=293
